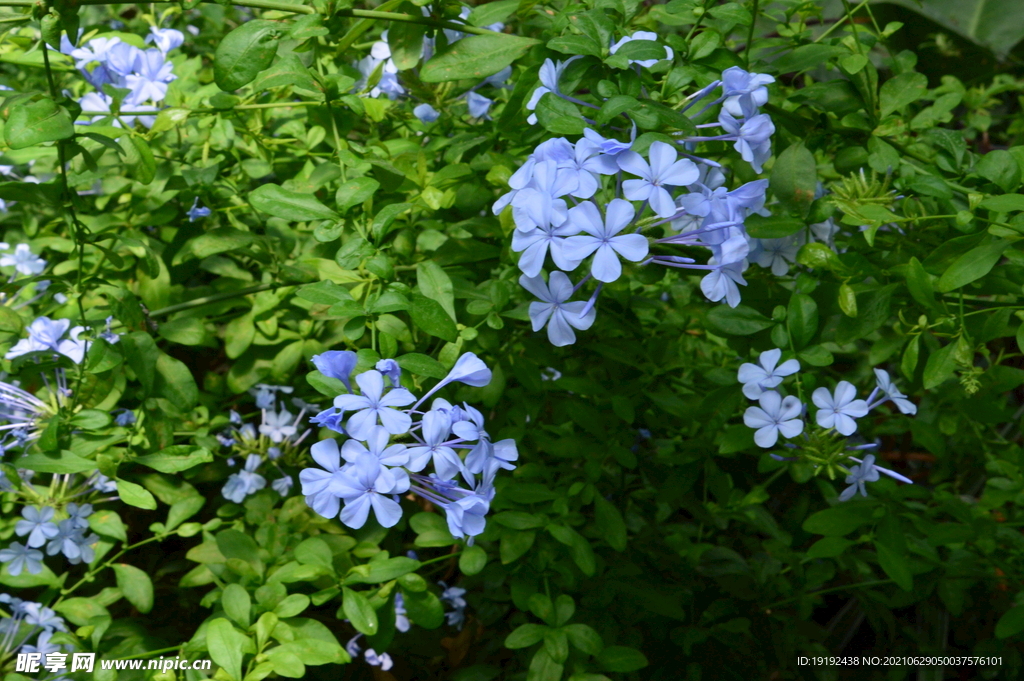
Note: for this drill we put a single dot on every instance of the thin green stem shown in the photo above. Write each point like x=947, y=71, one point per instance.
x=838, y=23
x=877, y=582
x=750, y=33
x=216, y=298
x=410, y=19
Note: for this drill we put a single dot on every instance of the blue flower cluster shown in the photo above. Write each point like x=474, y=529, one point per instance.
x=66, y=536
x=380, y=74
x=837, y=414
x=377, y=469
x=146, y=74
x=26, y=619
x=605, y=232
x=275, y=437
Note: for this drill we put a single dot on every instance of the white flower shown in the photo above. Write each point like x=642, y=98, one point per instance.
x=775, y=415
x=757, y=378
x=839, y=410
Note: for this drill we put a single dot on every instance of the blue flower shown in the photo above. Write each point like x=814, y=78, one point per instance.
x=775, y=416
x=602, y=238
x=337, y=364
x=197, y=211
x=329, y=418
x=839, y=410
x=891, y=392
x=550, y=73
x=363, y=487
x=45, y=334
x=373, y=404
x=426, y=113
x=278, y=426
x=20, y=557
x=865, y=472
x=36, y=525
x=777, y=254
x=165, y=39
x=453, y=596
x=377, y=445
x=744, y=92
x=245, y=482
x=663, y=171
x=434, y=431
x=390, y=368
x=766, y=374
x=401, y=618
x=24, y=261
x=722, y=282
x=149, y=80
x=554, y=310
x=374, y=660
x=478, y=104
x=123, y=417
x=39, y=616
x=79, y=514
x=318, y=485
x=282, y=485
x=753, y=137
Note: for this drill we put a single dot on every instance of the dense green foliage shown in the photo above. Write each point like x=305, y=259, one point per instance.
x=272, y=203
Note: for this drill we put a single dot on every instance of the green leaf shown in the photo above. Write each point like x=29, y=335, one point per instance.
x=135, y=495
x=972, y=265
x=379, y=571
x=422, y=365
x=236, y=603
x=621, y=659
x=610, y=523
x=772, y=227
x=435, y=284
x=223, y=643
x=315, y=551
x=514, y=544
x=139, y=159
x=642, y=50
x=1001, y=168
x=355, y=192
x=359, y=612
x=1005, y=203
x=839, y=520
x=424, y=608
x=214, y=241
x=579, y=548
x=406, y=43
x=559, y=116
x=940, y=367
x=1011, y=623
x=912, y=353
x=174, y=381
x=472, y=560
x=38, y=122
x=385, y=217
x=543, y=667
x=235, y=544
x=135, y=585
x=828, y=547
x=430, y=317
x=525, y=635
x=180, y=511
x=990, y=23
x=492, y=12
x=920, y=284
x=244, y=52
x=584, y=639
x=802, y=319
x=575, y=44
x=795, y=178
x=288, y=205
x=288, y=70
x=108, y=523
x=176, y=458
x=475, y=58
x=67, y=462
x=902, y=90
x=184, y=331
x=895, y=566
x=737, y=321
